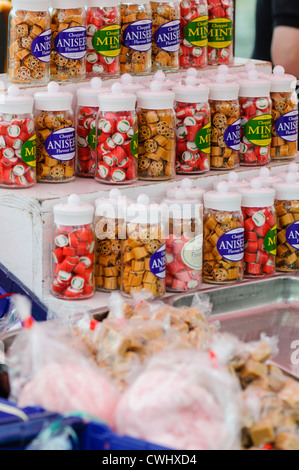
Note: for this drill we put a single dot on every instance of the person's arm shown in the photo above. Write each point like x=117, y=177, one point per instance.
x=285, y=41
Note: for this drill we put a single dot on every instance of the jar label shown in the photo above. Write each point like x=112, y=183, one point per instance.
x=292, y=235
x=41, y=46
x=220, y=33
x=196, y=32
x=158, y=263
x=203, y=139
x=106, y=41
x=167, y=37
x=192, y=253
x=71, y=43
x=61, y=144
x=28, y=151
x=258, y=131
x=134, y=145
x=138, y=35
x=270, y=241
x=232, y=136
x=287, y=126
x=231, y=245
x=91, y=139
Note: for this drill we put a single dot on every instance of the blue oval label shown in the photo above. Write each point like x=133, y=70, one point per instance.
x=41, y=46
x=287, y=126
x=292, y=235
x=158, y=263
x=71, y=43
x=61, y=144
x=138, y=35
x=231, y=245
x=167, y=37
x=232, y=136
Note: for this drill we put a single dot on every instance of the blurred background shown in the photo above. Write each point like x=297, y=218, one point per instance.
x=245, y=27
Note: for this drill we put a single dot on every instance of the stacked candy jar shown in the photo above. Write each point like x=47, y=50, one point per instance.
x=194, y=34
x=221, y=32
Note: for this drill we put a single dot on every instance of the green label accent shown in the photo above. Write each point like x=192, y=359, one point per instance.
x=270, y=241
x=203, y=139
x=106, y=41
x=91, y=139
x=220, y=33
x=258, y=131
x=28, y=151
x=192, y=253
x=196, y=32
x=134, y=145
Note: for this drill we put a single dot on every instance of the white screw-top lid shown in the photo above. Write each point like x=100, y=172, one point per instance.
x=143, y=212
x=288, y=190
x=189, y=189
x=291, y=168
x=257, y=196
x=117, y=100
x=266, y=178
x=53, y=99
x=73, y=212
x=128, y=84
x=31, y=5
x=181, y=207
x=221, y=89
x=161, y=78
x=15, y=103
x=112, y=206
x=191, y=93
x=66, y=4
x=103, y=3
x=282, y=82
x=155, y=97
x=222, y=199
x=88, y=96
x=234, y=182
x=253, y=86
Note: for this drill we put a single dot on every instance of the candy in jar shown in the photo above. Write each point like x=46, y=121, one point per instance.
x=287, y=211
x=17, y=140
x=68, y=48
x=166, y=35
x=117, y=137
x=136, y=37
x=55, y=135
x=226, y=124
x=221, y=32
x=103, y=38
x=73, y=251
x=184, y=243
x=193, y=128
x=143, y=250
x=223, y=250
x=29, y=38
x=87, y=111
x=285, y=115
x=194, y=34
x=260, y=230
x=156, y=133
x=256, y=120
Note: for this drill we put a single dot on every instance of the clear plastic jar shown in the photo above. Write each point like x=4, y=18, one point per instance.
x=136, y=37
x=68, y=48
x=193, y=128
x=55, y=136
x=194, y=34
x=103, y=38
x=223, y=237
x=117, y=137
x=260, y=230
x=29, y=42
x=221, y=32
x=166, y=35
x=226, y=126
x=287, y=211
x=87, y=111
x=256, y=121
x=284, y=114
x=184, y=244
x=143, y=250
x=109, y=230
x=17, y=140
x=73, y=250
x=156, y=131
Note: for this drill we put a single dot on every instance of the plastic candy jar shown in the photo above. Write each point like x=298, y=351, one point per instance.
x=194, y=34
x=221, y=32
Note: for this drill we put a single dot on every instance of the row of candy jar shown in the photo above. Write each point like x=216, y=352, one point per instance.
x=221, y=32
x=194, y=34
